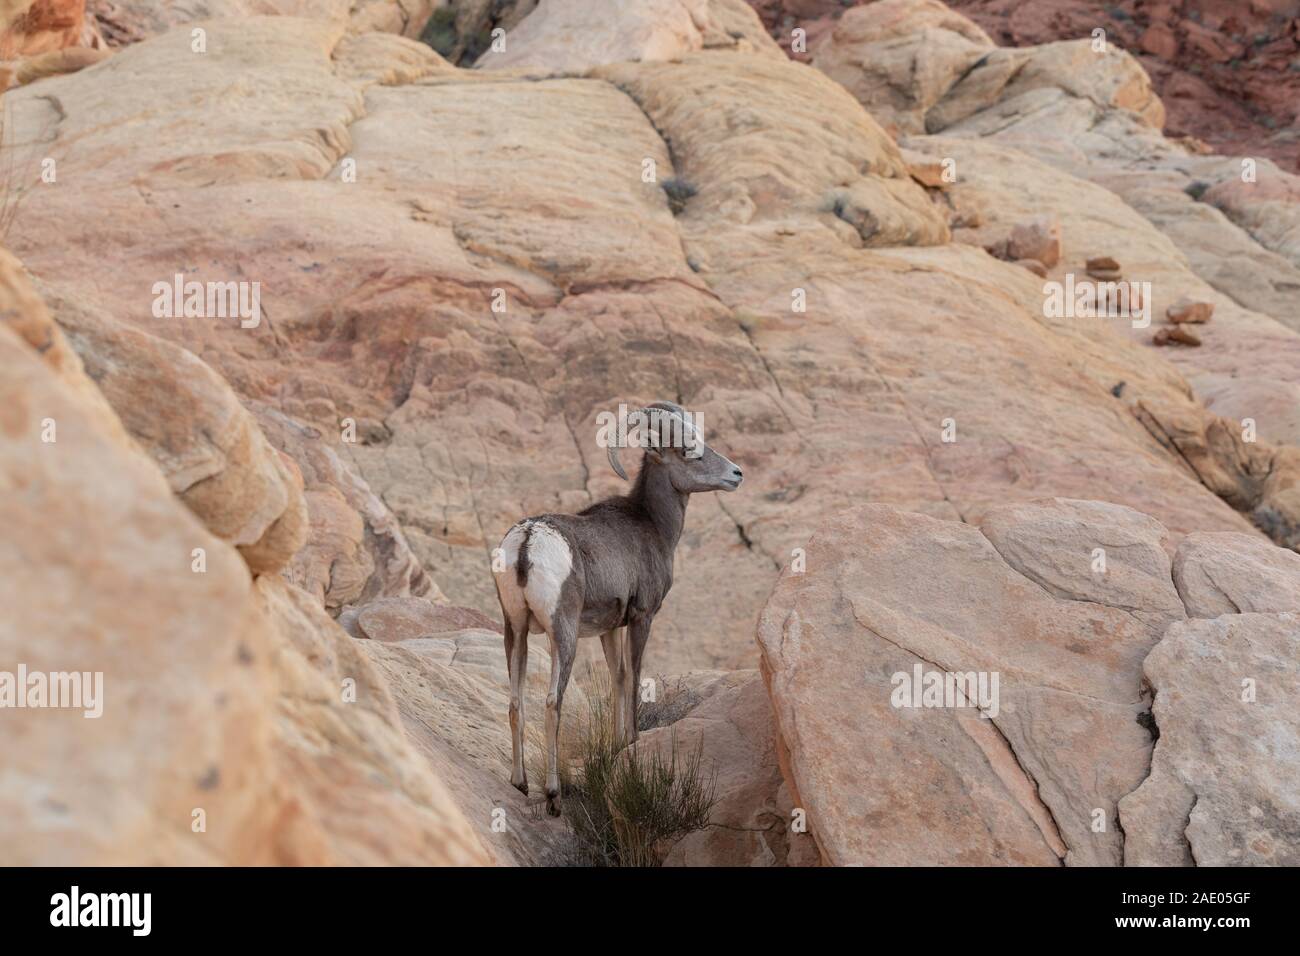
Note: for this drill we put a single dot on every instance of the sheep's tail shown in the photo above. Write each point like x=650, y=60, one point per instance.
x=522, y=564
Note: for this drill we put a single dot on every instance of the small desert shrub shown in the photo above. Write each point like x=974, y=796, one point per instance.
x=462, y=32
x=10, y=184
x=679, y=193
x=19, y=169
x=440, y=33
x=626, y=806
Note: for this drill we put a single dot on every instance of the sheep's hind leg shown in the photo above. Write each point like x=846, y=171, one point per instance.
x=564, y=647
x=517, y=666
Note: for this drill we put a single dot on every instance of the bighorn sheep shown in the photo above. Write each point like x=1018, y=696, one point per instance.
x=606, y=571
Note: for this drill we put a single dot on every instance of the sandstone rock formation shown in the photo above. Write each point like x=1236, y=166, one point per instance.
x=1226, y=768
x=210, y=449
x=355, y=552
x=569, y=35
x=31, y=27
x=404, y=619
x=488, y=415
x=73, y=481
x=1090, y=113
x=461, y=261
x=887, y=592
x=236, y=722
x=753, y=822
x=1046, y=768
x=124, y=22
x=348, y=762
x=1045, y=541
x=1223, y=70
x=453, y=696
x=1220, y=574
x=40, y=38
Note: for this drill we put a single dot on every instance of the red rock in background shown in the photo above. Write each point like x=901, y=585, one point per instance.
x=1227, y=70
x=29, y=27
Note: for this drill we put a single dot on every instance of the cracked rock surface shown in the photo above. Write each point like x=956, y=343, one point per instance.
x=1064, y=754
x=1226, y=770
x=462, y=266
x=491, y=281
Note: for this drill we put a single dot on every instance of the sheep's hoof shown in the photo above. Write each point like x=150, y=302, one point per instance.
x=553, y=804
x=521, y=787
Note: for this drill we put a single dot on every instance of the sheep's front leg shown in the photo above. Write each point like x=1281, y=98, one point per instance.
x=638, y=635
x=616, y=659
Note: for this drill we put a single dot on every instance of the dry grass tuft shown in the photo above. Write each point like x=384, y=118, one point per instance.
x=626, y=806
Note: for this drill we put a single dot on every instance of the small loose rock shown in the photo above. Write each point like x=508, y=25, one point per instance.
x=1189, y=311
x=1177, y=335
x=1036, y=239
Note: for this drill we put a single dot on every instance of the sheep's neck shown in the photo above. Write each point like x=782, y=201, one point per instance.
x=664, y=504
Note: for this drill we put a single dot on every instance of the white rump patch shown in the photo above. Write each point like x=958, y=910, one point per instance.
x=549, y=565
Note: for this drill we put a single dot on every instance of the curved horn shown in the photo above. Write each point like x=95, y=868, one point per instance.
x=612, y=452
x=669, y=407
x=688, y=427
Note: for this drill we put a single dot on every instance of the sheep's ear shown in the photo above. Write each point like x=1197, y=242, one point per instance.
x=654, y=454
